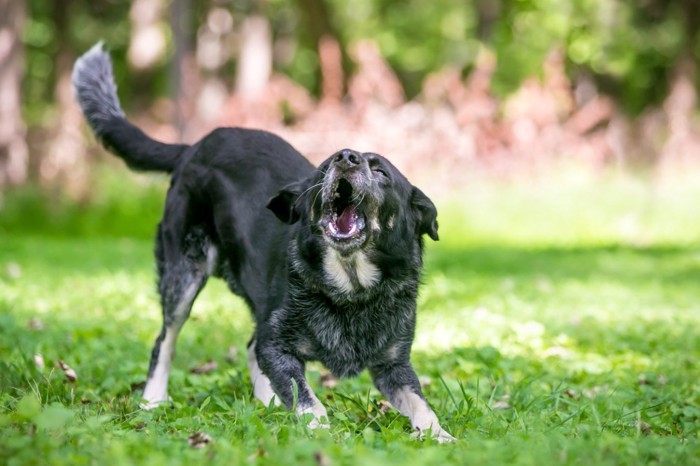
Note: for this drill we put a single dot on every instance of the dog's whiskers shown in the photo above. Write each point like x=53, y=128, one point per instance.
x=311, y=187
x=316, y=196
x=355, y=198
x=306, y=191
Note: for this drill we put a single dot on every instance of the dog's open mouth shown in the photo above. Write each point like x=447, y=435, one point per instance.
x=344, y=220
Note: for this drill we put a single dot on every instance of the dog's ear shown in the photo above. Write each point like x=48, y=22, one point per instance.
x=426, y=214
x=284, y=204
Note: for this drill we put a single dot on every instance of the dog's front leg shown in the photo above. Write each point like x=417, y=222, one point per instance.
x=262, y=388
x=284, y=371
x=399, y=383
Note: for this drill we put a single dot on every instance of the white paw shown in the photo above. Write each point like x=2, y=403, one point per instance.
x=443, y=436
x=439, y=434
x=320, y=419
x=149, y=405
x=319, y=423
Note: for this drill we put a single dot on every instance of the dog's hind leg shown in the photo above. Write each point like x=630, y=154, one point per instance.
x=183, y=268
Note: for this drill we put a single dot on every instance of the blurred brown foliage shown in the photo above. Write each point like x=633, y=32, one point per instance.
x=457, y=126
x=523, y=92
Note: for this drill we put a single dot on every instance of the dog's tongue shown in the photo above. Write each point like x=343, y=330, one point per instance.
x=346, y=220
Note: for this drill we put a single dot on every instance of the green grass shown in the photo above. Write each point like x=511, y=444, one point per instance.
x=559, y=323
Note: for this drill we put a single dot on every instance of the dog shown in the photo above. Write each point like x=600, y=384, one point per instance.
x=328, y=259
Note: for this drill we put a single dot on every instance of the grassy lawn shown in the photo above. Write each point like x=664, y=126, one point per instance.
x=559, y=323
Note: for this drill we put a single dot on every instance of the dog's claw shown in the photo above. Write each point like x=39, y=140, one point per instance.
x=444, y=437
x=440, y=435
x=320, y=419
x=319, y=423
x=150, y=405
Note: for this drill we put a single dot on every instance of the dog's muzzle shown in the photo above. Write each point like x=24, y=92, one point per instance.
x=344, y=220
x=344, y=192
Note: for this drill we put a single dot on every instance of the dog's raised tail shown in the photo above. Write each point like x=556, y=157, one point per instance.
x=93, y=84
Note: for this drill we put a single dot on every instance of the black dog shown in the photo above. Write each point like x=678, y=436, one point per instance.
x=335, y=280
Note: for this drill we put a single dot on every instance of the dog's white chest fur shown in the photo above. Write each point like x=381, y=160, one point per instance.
x=349, y=273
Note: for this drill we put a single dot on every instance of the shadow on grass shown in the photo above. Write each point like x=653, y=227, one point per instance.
x=78, y=256
x=119, y=204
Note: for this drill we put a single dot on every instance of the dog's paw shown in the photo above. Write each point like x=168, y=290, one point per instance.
x=320, y=416
x=319, y=423
x=147, y=405
x=440, y=435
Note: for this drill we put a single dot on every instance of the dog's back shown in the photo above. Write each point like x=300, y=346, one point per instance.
x=228, y=181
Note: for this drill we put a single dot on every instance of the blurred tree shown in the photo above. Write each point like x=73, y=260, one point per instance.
x=254, y=65
x=13, y=148
x=488, y=12
x=683, y=15
x=64, y=159
x=317, y=21
x=416, y=37
x=631, y=48
x=632, y=51
x=322, y=35
x=180, y=16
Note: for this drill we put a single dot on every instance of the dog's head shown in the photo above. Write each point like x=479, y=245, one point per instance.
x=353, y=199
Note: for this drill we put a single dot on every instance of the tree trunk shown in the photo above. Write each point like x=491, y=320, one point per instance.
x=255, y=62
x=65, y=163
x=317, y=21
x=181, y=15
x=488, y=12
x=323, y=36
x=13, y=145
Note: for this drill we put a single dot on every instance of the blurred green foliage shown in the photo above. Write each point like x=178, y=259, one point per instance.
x=629, y=48
x=121, y=205
x=415, y=36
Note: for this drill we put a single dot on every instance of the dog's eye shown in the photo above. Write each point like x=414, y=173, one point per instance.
x=380, y=171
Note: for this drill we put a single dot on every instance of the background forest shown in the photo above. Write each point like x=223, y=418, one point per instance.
x=509, y=86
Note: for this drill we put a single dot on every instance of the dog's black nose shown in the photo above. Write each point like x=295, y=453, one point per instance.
x=349, y=157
